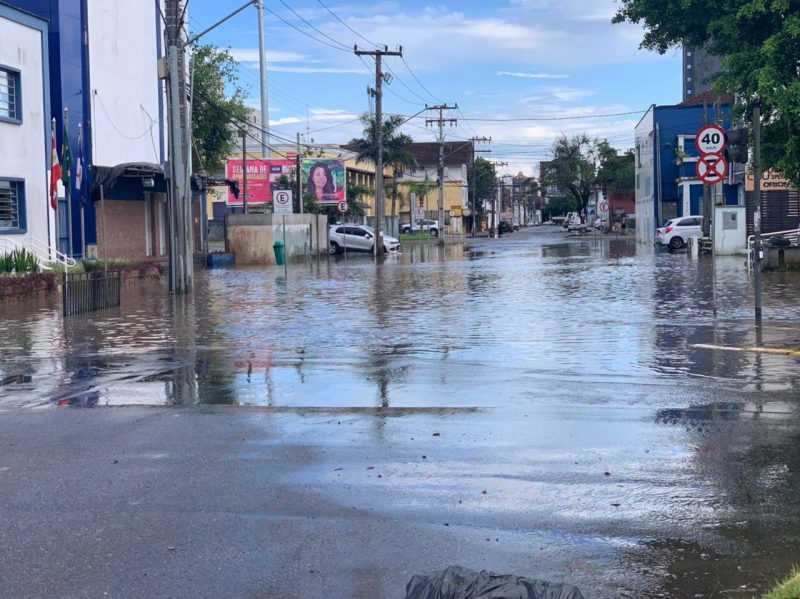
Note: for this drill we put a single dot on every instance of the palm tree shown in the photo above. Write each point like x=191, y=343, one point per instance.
x=396, y=151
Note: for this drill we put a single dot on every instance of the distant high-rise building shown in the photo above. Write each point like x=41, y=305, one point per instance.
x=699, y=68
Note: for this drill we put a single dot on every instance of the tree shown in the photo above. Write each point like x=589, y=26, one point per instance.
x=758, y=40
x=396, y=151
x=483, y=175
x=617, y=174
x=573, y=168
x=215, y=113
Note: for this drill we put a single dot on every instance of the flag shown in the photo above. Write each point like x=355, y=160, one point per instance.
x=55, y=168
x=66, y=155
x=79, y=164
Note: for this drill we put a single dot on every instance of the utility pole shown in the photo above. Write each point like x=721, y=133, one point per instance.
x=377, y=93
x=180, y=257
x=757, y=247
x=297, y=173
x=497, y=201
x=243, y=134
x=475, y=140
x=262, y=64
x=441, y=122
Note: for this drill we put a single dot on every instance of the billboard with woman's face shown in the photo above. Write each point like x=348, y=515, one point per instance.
x=324, y=180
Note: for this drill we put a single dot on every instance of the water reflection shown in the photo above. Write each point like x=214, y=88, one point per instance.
x=484, y=321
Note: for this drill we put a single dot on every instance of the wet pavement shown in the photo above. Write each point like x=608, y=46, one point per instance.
x=533, y=404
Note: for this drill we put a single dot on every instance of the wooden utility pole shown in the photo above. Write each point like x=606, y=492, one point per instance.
x=440, y=121
x=377, y=93
x=180, y=212
x=475, y=140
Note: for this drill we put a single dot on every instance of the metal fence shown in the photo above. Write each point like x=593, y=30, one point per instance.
x=89, y=291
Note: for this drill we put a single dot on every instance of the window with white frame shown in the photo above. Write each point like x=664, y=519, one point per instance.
x=12, y=205
x=10, y=109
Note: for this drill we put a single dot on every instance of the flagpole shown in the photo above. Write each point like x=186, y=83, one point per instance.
x=67, y=180
x=79, y=186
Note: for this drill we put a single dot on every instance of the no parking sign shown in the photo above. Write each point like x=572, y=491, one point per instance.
x=282, y=201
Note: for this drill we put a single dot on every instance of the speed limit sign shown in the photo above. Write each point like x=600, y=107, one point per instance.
x=710, y=140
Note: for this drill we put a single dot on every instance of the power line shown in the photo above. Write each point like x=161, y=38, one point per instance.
x=295, y=13
x=417, y=80
x=555, y=118
x=340, y=47
x=335, y=16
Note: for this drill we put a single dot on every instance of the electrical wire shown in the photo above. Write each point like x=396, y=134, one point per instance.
x=340, y=47
x=322, y=33
x=334, y=15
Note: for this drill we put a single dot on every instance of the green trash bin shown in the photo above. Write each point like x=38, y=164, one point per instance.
x=280, y=256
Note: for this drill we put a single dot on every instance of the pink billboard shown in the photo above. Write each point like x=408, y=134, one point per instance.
x=262, y=178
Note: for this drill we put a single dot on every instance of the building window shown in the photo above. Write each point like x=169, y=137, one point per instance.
x=689, y=79
x=689, y=67
x=12, y=206
x=10, y=109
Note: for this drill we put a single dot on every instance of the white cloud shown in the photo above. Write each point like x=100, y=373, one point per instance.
x=530, y=75
x=251, y=55
x=310, y=70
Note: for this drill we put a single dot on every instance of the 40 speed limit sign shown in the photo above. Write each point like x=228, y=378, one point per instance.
x=710, y=140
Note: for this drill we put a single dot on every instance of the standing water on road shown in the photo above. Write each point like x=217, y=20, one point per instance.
x=567, y=373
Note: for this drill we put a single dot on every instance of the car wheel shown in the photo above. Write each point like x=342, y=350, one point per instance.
x=434, y=233
x=334, y=248
x=676, y=243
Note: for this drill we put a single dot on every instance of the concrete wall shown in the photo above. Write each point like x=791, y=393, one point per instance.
x=24, y=146
x=251, y=236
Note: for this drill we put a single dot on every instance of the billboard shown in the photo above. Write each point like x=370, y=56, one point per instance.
x=262, y=179
x=324, y=180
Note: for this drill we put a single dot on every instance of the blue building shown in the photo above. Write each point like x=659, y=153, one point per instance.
x=103, y=69
x=666, y=158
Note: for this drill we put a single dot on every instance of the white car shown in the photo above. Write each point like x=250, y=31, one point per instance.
x=430, y=226
x=677, y=231
x=358, y=238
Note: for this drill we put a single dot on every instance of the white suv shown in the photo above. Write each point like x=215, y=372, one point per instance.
x=358, y=238
x=677, y=231
x=431, y=226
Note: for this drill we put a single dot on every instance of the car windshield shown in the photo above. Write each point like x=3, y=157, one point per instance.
x=667, y=224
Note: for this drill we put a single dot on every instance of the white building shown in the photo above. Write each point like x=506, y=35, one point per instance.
x=25, y=219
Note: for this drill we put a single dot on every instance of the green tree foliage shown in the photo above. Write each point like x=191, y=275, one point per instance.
x=573, y=168
x=483, y=188
x=558, y=206
x=219, y=106
x=396, y=151
x=616, y=175
x=759, y=41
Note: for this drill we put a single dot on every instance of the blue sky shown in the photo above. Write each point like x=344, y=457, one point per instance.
x=501, y=59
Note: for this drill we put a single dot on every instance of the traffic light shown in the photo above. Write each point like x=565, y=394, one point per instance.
x=736, y=150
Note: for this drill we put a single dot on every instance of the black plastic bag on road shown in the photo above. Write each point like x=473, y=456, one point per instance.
x=460, y=583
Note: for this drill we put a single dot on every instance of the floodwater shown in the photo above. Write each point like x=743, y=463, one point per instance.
x=561, y=374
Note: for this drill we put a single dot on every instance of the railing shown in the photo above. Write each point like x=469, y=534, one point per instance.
x=793, y=235
x=90, y=291
x=41, y=250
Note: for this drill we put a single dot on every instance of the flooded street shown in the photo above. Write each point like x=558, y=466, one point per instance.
x=533, y=404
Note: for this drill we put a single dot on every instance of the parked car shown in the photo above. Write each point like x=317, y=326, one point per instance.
x=677, y=231
x=572, y=221
x=358, y=238
x=427, y=226
x=505, y=227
